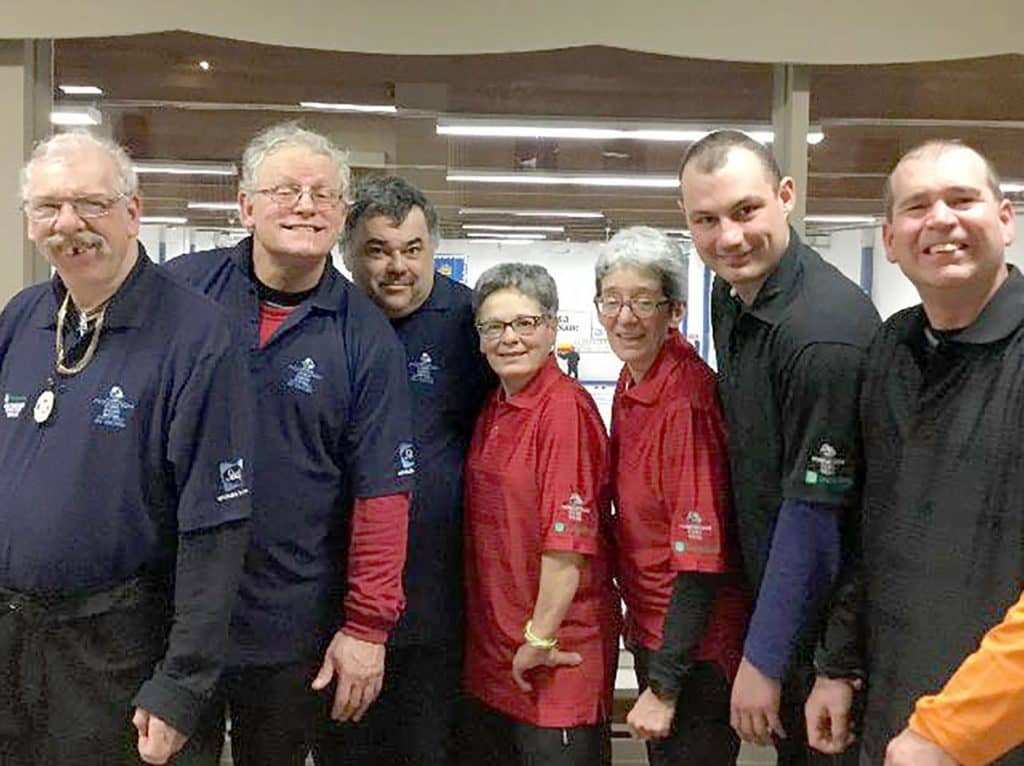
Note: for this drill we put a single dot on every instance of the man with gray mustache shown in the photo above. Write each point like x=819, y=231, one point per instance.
x=124, y=478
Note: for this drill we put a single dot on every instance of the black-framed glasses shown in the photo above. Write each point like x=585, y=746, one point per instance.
x=45, y=210
x=523, y=326
x=288, y=195
x=641, y=307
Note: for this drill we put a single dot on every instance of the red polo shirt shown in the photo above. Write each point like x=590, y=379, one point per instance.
x=671, y=488
x=535, y=483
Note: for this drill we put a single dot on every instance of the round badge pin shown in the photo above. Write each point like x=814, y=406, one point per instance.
x=43, y=408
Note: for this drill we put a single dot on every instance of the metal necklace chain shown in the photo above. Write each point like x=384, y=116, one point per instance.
x=90, y=350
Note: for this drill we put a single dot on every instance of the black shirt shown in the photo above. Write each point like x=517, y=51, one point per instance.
x=789, y=379
x=943, y=499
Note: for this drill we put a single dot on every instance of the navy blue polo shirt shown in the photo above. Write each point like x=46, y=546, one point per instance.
x=150, y=440
x=332, y=423
x=448, y=378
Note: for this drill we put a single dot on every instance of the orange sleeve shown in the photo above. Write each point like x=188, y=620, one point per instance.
x=977, y=716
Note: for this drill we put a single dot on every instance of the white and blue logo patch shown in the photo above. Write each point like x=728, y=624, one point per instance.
x=14, y=404
x=232, y=479
x=113, y=409
x=303, y=376
x=422, y=370
x=406, y=459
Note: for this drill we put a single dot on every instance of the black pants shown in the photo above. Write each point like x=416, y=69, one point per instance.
x=701, y=734
x=412, y=721
x=489, y=738
x=68, y=671
x=276, y=719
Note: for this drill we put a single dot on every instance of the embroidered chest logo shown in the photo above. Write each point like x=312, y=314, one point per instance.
x=827, y=460
x=113, y=409
x=232, y=481
x=422, y=370
x=303, y=376
x=406, y=459
x=14, y=404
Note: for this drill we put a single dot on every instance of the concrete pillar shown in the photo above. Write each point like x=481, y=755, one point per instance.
x=26, y=94
x=791, y=103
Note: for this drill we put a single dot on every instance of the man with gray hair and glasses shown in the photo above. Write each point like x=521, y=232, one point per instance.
x=322, y=586
x=124, y=476
x=390, y=237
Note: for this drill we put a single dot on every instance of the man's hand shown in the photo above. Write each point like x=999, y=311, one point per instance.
x=651, y=716
x=158, y=740
x=754, y=712
x=529, y=657
x=359, y=667
x=911, y=749
x=827, y=713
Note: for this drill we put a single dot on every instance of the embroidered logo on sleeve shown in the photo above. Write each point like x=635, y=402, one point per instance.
x=574, y=510
x=113, y=409
x=303, y=376
x=422, y=370
x=406, y=459
x=232, y=479
x=828, y=469
x=14, y=404
x=695, y=535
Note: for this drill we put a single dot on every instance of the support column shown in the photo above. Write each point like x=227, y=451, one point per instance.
x=791, y=104
x=26, y=94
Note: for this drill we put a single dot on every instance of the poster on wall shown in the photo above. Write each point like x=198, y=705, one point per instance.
x=452, y=266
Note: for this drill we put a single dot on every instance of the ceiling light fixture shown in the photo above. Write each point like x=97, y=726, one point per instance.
x=520, y=213
x=1012, y=187
x=164, y=219
x=329, y=106
x=204, y=65
x=186, y=168
x=644, y=181
x=79, y=116
x=828, y=218
x=229, y=206
x=497, y=235
x=511, y=227
x=80, y=90
x=595, y=130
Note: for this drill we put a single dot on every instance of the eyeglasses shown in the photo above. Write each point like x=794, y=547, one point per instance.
x=87, y=208
x=642, y=308
x=523, y=326
x=287, y=195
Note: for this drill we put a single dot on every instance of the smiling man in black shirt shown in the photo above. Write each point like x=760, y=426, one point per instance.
x=942, y=411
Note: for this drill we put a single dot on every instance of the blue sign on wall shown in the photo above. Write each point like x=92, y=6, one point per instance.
x=452, y=266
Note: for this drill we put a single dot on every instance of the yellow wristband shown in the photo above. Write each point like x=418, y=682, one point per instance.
x=536, y=641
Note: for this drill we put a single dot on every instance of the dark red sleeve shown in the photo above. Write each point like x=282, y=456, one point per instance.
x=376, y=557
x=695, y=484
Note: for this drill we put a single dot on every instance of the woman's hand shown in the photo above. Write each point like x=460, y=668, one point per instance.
x=529, y=657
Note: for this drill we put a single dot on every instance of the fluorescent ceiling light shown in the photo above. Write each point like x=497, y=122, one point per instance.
x=531, y=213
x=1012, y=187
x=79, y=116
x=495, y=241
x=676, y=232
x=511, y=227
x=81, y=90
x=595, y=130
x=231, y=206
x=186, y=168
x=839, y=219
x=330, y=106
x=643, y=181
x=496, y=235
x=167, y=219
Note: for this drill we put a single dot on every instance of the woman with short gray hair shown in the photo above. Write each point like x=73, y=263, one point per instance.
x=542, y=613
x=685, y=606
